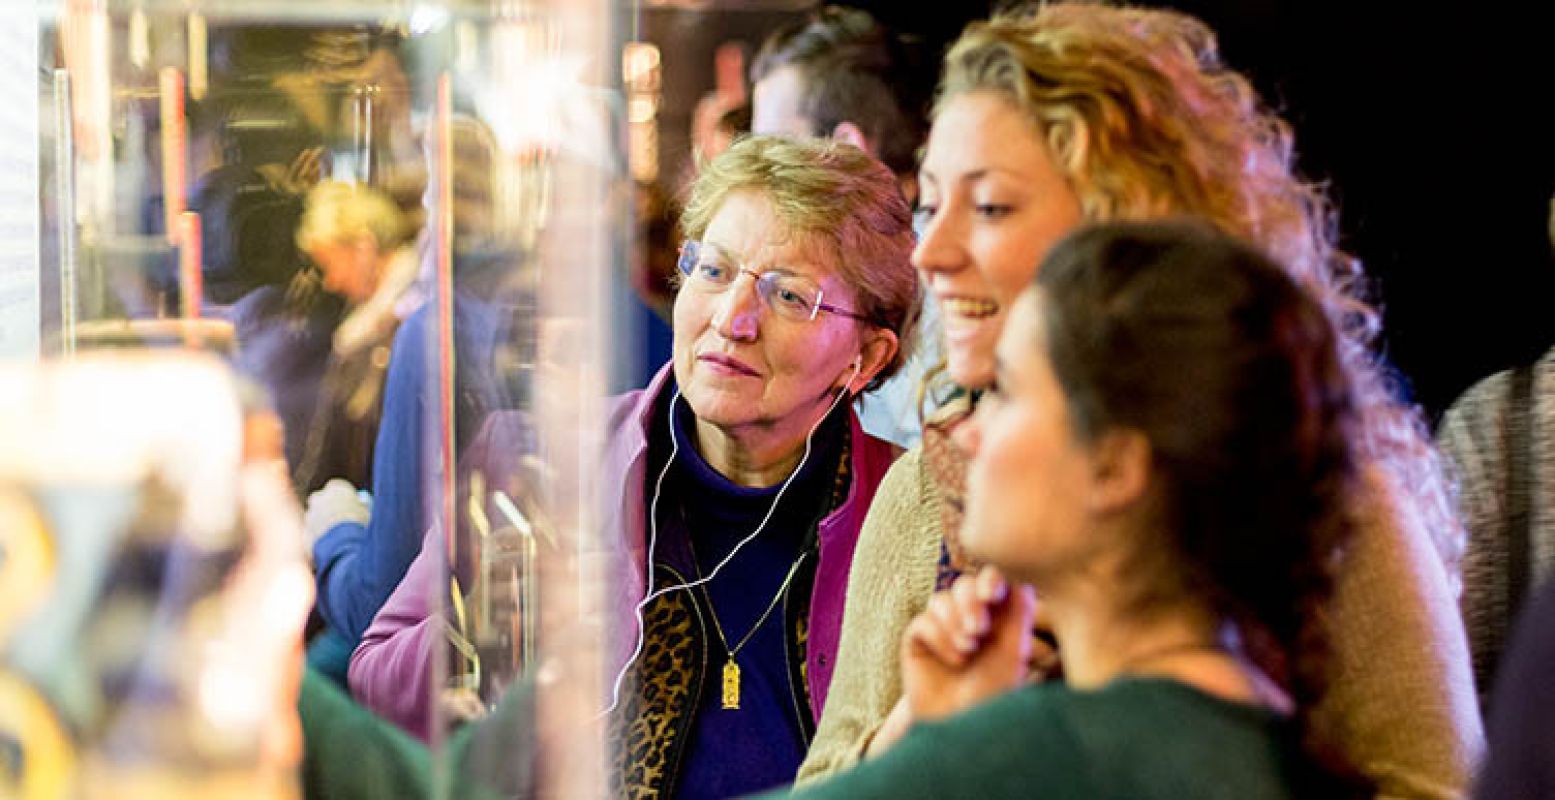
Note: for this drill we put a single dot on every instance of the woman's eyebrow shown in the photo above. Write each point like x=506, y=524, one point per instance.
x=718, y=250
x=974, y=175
x=789, y=267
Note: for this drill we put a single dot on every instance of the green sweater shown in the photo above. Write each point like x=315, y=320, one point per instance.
x=1136, y=738
x=351, y=754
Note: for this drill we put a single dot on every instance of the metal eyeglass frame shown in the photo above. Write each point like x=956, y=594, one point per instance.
x=690, y=256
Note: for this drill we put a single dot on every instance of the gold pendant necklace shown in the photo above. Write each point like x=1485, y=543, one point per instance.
x=731, y=670
x=731, y=684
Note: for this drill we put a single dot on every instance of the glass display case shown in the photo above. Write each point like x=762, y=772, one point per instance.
x=397, y=227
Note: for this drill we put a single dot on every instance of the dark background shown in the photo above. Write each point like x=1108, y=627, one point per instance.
x=1431, y=129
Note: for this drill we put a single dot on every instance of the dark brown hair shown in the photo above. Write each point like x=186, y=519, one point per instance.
x=855, y=70
x=1232, y=371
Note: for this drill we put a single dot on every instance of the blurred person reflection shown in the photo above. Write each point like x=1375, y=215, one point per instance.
x=732, y=124
x=263, y=159
x=712, y=113
x=362, y=547
x=287, y=108
x=357, y=238
x=320, y=343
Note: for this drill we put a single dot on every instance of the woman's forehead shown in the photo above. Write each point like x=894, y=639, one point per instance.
x=981, y=134
x=764, y=242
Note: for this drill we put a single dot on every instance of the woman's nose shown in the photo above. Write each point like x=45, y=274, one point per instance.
x=738, y=313
x=940, y=244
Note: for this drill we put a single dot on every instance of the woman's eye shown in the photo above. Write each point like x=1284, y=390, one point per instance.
x=993, y=210
x=712, y=272
x=923, y=214
x=791, y=297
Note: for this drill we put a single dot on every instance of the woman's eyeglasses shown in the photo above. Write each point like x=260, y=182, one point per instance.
x=790, y=296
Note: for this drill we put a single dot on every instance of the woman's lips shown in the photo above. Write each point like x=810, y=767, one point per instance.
x=968, y=321
x=727, y=365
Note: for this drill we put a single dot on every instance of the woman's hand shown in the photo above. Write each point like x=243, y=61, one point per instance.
x=895, y=726
x=337, y=502
x=972, y=642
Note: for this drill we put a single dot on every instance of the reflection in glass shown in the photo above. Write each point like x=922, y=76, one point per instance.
x=390, y=223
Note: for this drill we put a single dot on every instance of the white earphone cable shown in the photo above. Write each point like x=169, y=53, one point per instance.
x=653, y=530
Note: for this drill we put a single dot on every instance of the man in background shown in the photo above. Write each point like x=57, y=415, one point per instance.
x=840, y=74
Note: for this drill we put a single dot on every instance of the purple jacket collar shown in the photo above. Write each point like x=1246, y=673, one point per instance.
x=625, y=465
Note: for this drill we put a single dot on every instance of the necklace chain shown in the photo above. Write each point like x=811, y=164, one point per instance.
x=713, y=612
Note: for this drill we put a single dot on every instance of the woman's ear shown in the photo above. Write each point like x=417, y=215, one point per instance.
x=850, y=132
x=877, y=352
x=1121, y=465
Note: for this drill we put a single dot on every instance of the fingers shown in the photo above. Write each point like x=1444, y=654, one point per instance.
x=955, y=623
x=970, y=643
x=936, y=634
x=338, y=501
x=969, y=607
x=991, y=586
x=1012, y=620
x=1011, y=630
x=1026, y=605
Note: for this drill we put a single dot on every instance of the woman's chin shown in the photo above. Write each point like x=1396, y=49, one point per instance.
x=972, y=370
x=716, y=407
x=977, y=545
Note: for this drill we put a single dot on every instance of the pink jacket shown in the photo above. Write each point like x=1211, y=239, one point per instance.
x=391, y=669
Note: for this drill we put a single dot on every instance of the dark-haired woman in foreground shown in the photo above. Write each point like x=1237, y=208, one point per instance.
x=1166, y=460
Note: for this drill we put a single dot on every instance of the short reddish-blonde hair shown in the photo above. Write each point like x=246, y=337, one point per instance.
x=837, y=195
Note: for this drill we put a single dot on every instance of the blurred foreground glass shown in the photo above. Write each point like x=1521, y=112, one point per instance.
x=152, y=586
x=299, y=188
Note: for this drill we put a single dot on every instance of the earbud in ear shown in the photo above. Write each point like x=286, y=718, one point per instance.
x=858, y=366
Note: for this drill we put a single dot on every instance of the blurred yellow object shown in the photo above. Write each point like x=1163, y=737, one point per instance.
x=40, y=761
x=152, y=586
x=26, y=559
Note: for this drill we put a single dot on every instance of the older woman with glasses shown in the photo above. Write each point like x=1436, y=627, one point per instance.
x=746, y=476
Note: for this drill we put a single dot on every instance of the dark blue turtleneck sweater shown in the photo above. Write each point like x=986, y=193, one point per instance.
x=760, y=745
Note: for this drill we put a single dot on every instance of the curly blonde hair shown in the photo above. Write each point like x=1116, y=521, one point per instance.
x=1144, y=121
x=838, y=195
